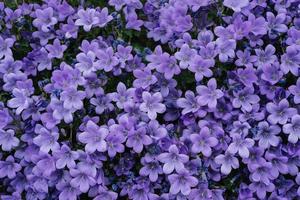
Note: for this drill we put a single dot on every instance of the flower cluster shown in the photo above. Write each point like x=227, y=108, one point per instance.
x=150, y=99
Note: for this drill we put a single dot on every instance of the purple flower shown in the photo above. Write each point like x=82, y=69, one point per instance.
x=265, y=56
x=98, y=100
x=173, y=160
x=46, y=140
x=20, y=101
x=5, y=45
x=67, y=191
x=118, y=4
x=9, y=65
x=94, y=137
x=152, y=104
x=295, y=90
x=44, y=19
x=8, y=141
x=298, y=182
x=56, y=50
x=102, y=103
x=5, y=117
x=9, y=167
x=241, y=145
x=200, y=67
x=189, y=103
x=182, y=182
x=293, y=129
x=279, y=163
x=290, y=61
x=137, y=139
x=122, y=95
x=133, y=22
x=236, y=6
x=276, y=24
x=103, y=17
x=139, y=192
x=203, y=142
x=168, y=66
x=72, y=99
x=107, y=59
x=115, y=143
x=227, y=162
x=226, y=48
x=60, y=112
x=87, y=18
x=185, y=55
x=261, y=188
x=210, y=94
x=155, y=130
x=151, y=167
x=245, y=99
x=245, y=58
x=144, y=78
x=267, y=135
x=165, y=85
x=83, y=177
x=105, y=194
x=65, y=157
x=86, y=63
x=271, y=73
x=70, y=29
x=124, y=54
x=262, y=172
x=45, y=166
x=258, y=25
x=281, y=112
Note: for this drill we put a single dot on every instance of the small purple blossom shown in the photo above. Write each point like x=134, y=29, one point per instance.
x=280, y=113
x=144, y=78
x=240, y=145
x=293, y=129
x=209, y=94
x=94, y=137
x=8, y=141
x=236, y=5
x=173, y=160
x=137, y=139
x=83, y=177
x=87, y=18
x=56, y=50
x=267, y=135
x=203, y=142
x=227, y=162
x=44, y=19
x=182, y=182
x=9, y=168
x=152, y=104
x=295, y=90
x=72, y=99
x=46, y=139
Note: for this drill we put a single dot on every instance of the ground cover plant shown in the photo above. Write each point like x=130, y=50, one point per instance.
x=150, y=99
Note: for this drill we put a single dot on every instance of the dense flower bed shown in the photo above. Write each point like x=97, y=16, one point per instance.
x=150, y=99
